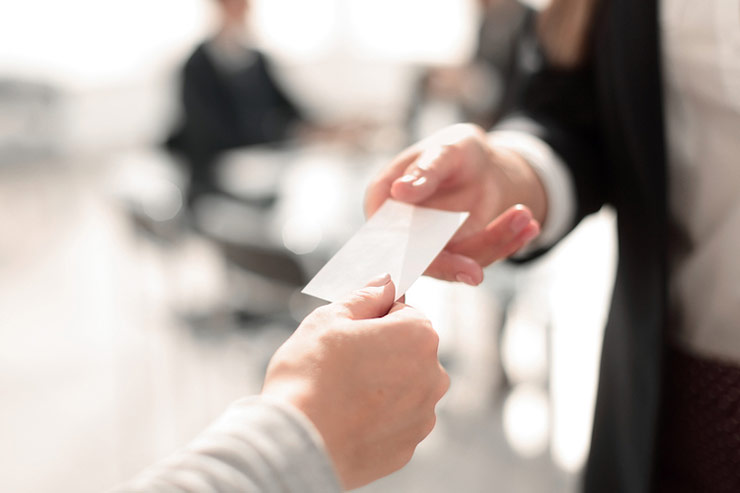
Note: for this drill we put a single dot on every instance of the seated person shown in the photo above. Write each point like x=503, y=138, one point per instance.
x=229, y=98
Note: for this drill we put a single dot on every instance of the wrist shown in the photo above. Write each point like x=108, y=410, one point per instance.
x=519, y=183
x=302, y=398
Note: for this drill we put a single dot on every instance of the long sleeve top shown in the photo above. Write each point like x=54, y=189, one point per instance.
x=256, y=446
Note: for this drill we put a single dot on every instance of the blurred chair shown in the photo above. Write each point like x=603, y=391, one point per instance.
x=263, y=276
x=29, y=121
x=150, y=187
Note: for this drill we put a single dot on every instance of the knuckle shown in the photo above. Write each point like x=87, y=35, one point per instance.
x=399, y=457
x=404, y=316
x=416, y=318
x=428, y=336
x=444, y=384
x=432, y=335
x=473, y=130
x=349, y=306
x=467, y=130
x=323, y=313
x=328, y=316
x=428, y=425
x=358, y=298
x=404, y=456
x=451, y=153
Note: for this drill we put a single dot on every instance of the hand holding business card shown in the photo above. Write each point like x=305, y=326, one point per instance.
x=399, y=239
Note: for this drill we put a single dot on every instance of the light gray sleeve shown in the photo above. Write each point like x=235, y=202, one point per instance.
x=257, y=446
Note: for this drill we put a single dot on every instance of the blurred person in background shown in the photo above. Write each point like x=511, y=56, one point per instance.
x=340, y=407
x=479, y=90
x=495, y=57
x=636, y=104
x=230, y=98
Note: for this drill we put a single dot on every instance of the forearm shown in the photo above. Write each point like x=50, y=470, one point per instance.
x=256, y=446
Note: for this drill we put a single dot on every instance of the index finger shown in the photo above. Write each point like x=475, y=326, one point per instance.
x=379, y=189
x=398, y=306
x=436, y=166
x=501, y=238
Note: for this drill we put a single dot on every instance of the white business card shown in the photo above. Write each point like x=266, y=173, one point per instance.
x=399, y=239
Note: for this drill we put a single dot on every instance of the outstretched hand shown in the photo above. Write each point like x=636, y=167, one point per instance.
x=457, y=170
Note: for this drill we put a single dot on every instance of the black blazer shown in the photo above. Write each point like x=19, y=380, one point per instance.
x=605, y=120
x=228, y=110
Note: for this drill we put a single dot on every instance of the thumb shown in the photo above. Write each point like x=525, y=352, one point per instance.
x=372, y=301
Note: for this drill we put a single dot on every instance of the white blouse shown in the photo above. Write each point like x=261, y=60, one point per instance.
x=701, y=62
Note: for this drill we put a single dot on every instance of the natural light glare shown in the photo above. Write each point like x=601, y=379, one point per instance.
x=94, y=42
x=408, y=30
x=302, y=234
x=524, y=351
x=526, y=420
x=392, y=30
x=296, y=29
x=577, y=329
x=168, y=205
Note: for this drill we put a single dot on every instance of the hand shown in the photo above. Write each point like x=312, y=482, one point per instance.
x=365, y=371
x=457, y=170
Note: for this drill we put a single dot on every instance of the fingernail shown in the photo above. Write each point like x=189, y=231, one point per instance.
x=407, y=179
x=379, y=281
x=419, y=182
x=465, y=279
x=520, y=222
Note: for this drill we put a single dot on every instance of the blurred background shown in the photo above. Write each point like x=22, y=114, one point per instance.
x=173, y=172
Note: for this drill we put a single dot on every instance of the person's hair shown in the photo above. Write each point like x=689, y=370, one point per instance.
x=565, y=28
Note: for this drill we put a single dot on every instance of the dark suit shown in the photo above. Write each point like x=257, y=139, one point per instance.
x=605, y=120
x=224, y=110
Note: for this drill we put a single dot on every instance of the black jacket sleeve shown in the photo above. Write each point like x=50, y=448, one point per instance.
x=560, y=107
